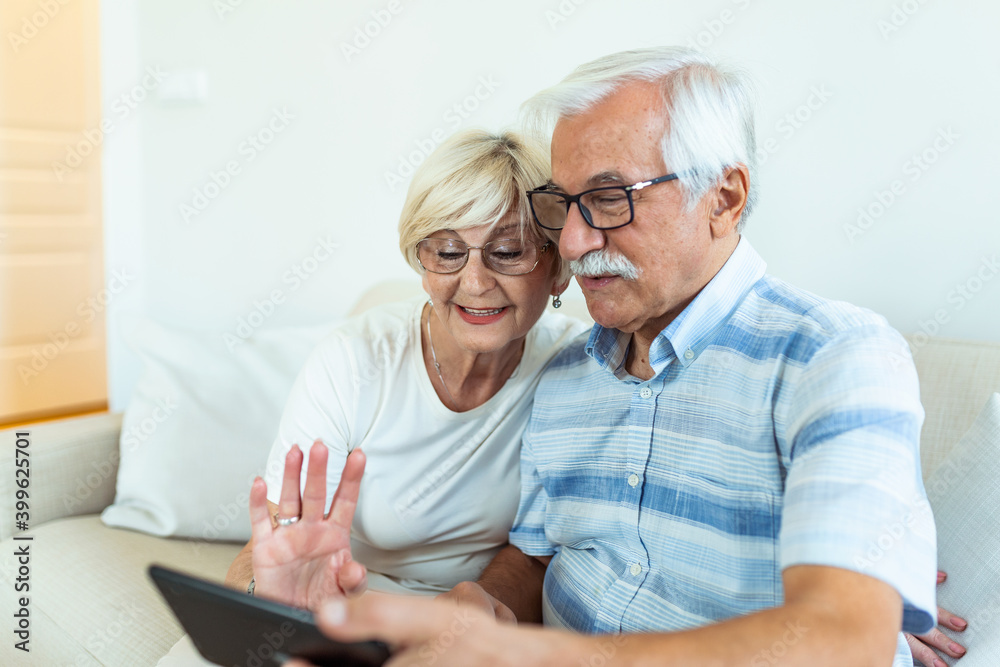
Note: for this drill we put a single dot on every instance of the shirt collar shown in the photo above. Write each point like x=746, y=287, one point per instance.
x=693, y=330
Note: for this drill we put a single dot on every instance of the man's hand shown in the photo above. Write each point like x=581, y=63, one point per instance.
x=817, y=626
x=513, y=580
x=471, y=594
x=424, y=631
x=923, y=646
x=308, y=562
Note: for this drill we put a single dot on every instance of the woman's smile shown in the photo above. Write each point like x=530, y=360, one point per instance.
x=481, y=315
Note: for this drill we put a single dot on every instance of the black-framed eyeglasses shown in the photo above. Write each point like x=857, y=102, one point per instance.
x=607, y=207
x=511, y=257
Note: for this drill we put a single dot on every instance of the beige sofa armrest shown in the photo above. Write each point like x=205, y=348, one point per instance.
x=73, y=469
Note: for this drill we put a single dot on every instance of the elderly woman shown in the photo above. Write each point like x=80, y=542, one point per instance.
x=435, y=392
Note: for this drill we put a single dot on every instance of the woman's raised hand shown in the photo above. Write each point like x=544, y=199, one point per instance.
x=309, y=561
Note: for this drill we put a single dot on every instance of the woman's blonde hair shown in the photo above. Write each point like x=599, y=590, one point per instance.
x=476, y=178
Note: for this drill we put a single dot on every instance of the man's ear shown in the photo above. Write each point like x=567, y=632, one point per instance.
x=729, y=202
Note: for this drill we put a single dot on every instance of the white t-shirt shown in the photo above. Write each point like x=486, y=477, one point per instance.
x=440, y=488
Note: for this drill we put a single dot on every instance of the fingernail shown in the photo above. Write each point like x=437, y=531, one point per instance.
x=956, y=648
x=958, y=623
x=938, y=662
x=941, y=577
x=335, y=612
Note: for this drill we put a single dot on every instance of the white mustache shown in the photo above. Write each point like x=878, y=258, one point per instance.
x=602, y=263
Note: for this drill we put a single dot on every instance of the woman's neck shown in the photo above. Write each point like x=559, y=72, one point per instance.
x=469, y=378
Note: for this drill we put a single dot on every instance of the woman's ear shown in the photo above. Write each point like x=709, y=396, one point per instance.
x=559, y=288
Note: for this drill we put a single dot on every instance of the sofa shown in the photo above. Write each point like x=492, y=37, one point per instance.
x=90, y=601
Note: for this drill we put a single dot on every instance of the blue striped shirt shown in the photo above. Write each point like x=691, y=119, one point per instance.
x=779, y=429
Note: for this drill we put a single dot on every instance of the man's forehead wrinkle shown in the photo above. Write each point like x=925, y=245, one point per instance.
x=617, y=141
x=604, y=158
x=607, y=176
x=606, y=152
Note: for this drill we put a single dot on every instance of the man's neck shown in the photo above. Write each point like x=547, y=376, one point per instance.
x=637, y=359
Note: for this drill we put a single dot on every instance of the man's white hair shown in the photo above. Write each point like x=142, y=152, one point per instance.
x=709, y=108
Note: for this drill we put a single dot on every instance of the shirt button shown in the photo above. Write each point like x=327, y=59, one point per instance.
x=645, y=392
x=633, y=479
x=689, y=354
x=636, y=569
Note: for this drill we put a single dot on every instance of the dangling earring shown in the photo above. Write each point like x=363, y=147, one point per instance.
x=556, y=301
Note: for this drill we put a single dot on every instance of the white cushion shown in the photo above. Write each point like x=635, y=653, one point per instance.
x=956, y=378
x=965, y=494
x=199, y=427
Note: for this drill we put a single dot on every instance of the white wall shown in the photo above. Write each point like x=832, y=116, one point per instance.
x=883, y=97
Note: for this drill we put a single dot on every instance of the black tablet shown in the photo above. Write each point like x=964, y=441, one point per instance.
x=232, y=628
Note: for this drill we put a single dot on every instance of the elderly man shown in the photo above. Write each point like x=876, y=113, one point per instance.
x=727, y=464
